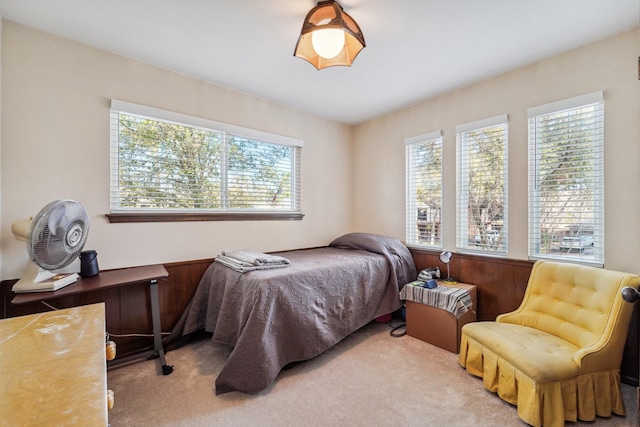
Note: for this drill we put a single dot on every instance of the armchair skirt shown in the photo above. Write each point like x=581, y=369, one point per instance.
x=557, y=357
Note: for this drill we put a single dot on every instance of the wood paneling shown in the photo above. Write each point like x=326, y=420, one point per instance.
x=184, y=278
x=128, y=308
x=500, y=283
x=629, y=370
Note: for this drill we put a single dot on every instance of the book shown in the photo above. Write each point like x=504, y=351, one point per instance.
x=52, y=284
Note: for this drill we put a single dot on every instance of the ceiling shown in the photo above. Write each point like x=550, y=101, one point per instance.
x=416, y=49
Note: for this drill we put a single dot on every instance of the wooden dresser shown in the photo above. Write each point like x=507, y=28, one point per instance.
x=53, y=368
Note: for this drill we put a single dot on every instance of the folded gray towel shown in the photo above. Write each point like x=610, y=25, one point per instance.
x=244, y=260
x=255, y=258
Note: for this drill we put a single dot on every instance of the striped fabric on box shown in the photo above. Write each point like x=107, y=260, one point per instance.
x=455, y=300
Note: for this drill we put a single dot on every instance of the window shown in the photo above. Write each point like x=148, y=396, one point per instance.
x=424, y=189
x=482, y=185
x=566, y=190
x=169, y=165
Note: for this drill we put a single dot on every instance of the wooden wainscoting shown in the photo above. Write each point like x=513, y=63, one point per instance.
x=128, y=308
x=500, y=282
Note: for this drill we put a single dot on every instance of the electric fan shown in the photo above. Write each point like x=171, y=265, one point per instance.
x=55, y=238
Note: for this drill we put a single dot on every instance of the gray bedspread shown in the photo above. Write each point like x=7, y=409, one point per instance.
x=275, y=317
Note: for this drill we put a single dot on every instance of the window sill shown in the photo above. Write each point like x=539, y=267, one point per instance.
x=184, y=217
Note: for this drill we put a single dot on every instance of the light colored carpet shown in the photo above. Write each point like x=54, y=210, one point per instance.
x=370, y=378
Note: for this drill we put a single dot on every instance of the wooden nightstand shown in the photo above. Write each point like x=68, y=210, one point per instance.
x=438, y=326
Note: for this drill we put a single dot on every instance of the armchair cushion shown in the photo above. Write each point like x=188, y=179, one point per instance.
x=557, y=357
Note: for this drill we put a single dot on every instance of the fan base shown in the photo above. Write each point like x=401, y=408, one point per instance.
x=37, y=279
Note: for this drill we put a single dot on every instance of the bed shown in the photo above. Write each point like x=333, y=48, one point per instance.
x=274, y=317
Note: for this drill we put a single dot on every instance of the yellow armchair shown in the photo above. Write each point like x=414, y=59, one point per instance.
x=557, y=357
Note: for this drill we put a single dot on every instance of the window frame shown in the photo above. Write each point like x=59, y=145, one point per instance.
x=411, y=213
x=534, y=227
x=463, y=237
x=118, y=215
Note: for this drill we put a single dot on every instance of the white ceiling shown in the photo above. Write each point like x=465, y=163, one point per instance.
x=416, y=49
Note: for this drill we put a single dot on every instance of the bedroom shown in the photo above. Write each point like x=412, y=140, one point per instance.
x=47, y=80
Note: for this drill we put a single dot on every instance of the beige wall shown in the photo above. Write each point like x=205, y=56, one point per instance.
x=55, y=144
x=610, y=65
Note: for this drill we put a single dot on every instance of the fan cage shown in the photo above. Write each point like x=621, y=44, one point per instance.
x=58, y=234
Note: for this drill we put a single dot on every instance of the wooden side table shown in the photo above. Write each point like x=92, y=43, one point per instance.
x=115, y=278
x=438, y=326
x=53, y=368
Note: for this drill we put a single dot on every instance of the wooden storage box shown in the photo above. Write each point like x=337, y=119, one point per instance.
x=438, y=326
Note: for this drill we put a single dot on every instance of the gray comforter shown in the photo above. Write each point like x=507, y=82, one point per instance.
x=275, y=317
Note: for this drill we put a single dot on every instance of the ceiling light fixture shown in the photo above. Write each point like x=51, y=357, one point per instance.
x=329, y=37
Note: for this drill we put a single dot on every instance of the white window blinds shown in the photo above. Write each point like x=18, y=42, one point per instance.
x=482, y=185
x=167, y=162
x=566, y=189
x=424, y=189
